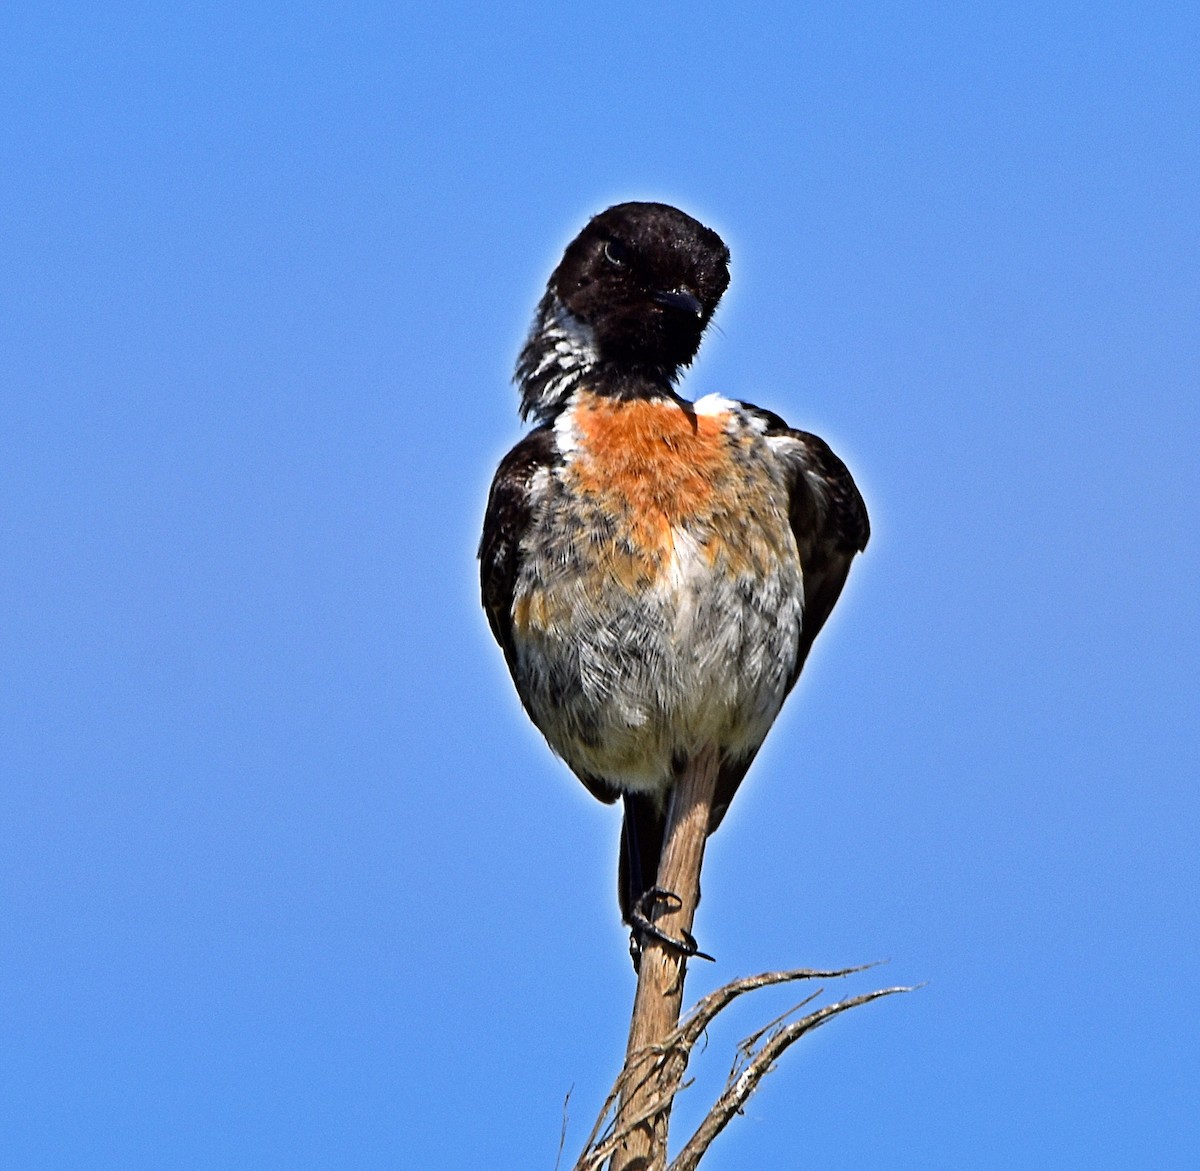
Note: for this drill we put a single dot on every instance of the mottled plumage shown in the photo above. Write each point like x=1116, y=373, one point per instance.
x=655, y=570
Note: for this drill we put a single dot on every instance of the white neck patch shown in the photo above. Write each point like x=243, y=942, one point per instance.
x=561, y=348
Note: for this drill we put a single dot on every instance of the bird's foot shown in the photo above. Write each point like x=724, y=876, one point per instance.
x=643, y=926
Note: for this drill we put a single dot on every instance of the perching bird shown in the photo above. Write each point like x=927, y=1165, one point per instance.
x=655, y=570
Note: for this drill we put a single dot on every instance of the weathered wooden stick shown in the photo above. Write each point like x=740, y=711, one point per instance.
x=661, y=974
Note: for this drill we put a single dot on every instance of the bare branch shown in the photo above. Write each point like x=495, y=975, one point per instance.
x=653, y=1073
x=562, y=1134
x=707, y=1009
x=644, y=1108
x=742, y=1083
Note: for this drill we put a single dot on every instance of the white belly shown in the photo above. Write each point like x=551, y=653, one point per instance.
x=624, y=683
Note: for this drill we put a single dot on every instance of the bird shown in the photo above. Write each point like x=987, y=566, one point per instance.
x=654, y=569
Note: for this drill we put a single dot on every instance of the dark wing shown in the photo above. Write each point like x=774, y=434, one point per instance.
x=509, y=511
x=829, y=521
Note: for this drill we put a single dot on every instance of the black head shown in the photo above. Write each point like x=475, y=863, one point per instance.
x=647, y=279
x=632, y=296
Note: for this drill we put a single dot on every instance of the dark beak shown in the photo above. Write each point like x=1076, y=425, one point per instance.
x=681, y=300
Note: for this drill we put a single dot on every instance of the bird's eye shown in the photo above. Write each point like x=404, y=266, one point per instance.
x=615, y=252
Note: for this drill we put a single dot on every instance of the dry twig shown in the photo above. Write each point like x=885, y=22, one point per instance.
x=654, y=1072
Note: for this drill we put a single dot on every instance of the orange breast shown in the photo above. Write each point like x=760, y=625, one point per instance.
x=655, y=454
x=653, y=465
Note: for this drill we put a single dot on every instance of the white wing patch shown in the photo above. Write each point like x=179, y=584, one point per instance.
x=713, y=404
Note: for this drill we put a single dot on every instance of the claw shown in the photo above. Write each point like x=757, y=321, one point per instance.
x=645, y=928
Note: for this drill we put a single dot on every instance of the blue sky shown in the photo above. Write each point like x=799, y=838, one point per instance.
x=287, y=879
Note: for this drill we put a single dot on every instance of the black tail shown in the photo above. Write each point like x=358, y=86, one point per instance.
x=641, y=847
